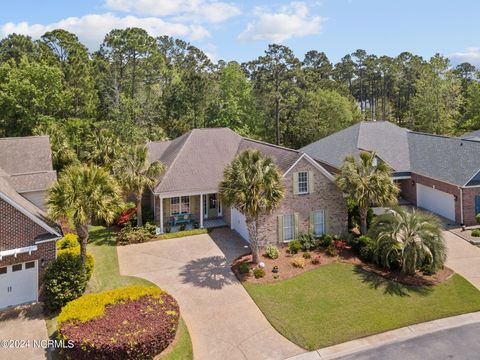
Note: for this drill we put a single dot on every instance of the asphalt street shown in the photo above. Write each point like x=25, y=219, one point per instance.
x=457, y=343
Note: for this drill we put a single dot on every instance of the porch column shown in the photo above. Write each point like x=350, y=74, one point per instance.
x=201, y=211
x=161, y=214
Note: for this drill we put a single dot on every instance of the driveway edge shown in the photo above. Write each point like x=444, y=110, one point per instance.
x=392, y=336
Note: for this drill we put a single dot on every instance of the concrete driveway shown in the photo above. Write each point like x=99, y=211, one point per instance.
x=26, y=324
x=463, y=258
x=223, y=320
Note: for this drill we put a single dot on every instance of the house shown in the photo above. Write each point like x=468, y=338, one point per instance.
x=27, y=237
x=438, y=173
x=195, y=163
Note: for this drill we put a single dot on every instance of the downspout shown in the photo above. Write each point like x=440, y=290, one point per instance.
x=461, y=206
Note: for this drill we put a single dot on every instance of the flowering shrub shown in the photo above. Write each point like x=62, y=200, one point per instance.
x=126, y=216
x=271, y=251
x=136, y=322
x=340, y=245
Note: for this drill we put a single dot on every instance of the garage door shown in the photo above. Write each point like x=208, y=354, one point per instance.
x=18, y=284
x=436, y=201
x=239, y=224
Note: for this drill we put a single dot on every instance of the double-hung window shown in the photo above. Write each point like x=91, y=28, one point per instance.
x=303, y=182
x=318, y=218
x=288, y=227
x=180, y=205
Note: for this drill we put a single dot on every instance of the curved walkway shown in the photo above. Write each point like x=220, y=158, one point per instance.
x=223, y=320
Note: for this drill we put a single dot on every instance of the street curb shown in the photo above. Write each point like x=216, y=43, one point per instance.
x=392, y=336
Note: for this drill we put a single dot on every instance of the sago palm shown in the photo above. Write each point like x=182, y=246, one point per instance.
x=84, y=193
x=135, y=173
x=415, y=235
x=252, y=184
x=367, y=184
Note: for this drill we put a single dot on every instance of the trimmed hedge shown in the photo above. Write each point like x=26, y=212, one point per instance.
x=64, y=280
x=181, y=234
x=135, y=322
x=69, y=244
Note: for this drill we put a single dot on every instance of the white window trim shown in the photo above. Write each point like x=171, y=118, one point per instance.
x=292, y=227
x=307, y=183
x=323, y=223
x=180, y=205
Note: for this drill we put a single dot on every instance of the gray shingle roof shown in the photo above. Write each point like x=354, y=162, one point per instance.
x=449, y=159
x=28, y=162
x=387, y=139
x=474, y=135
x=195, y=161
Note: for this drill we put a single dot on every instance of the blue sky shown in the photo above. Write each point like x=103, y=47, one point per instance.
x=241, y=30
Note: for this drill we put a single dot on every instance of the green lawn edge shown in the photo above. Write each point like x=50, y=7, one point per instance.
x=106, y=276
x=340, y=302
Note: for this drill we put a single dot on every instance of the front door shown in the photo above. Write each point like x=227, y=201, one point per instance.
x=212, y=206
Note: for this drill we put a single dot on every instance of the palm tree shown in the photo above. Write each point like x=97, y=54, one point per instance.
x=102, y=148
x=252, y=184
x=367, y=183
x=415, y=235
x=84, y=193
x=135, y=173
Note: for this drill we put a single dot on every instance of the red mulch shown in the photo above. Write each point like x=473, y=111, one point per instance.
x=287, y=270
x=147, y=322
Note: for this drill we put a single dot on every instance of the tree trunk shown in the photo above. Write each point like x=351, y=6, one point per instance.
x=277, y=120
x=82, y=232
x=363, y=221
x=138, y=204
x=252, y=234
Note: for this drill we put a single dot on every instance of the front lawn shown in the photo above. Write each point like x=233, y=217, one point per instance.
x=106, y=276
x=341, y=302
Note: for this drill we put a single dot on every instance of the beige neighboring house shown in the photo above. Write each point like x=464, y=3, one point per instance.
x=188, y=191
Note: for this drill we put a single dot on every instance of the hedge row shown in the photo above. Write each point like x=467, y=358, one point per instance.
x=136, y=322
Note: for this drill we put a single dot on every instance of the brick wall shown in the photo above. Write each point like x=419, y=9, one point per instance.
x=408, y=191
x=16, y=231
x=326, y=196
x=469, y=205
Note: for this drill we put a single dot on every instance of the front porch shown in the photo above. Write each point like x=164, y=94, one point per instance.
x=188, y=211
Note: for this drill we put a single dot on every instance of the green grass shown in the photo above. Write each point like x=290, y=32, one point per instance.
x=341, y=302
x=183, y=347
x=106, y=276
x=180, y=234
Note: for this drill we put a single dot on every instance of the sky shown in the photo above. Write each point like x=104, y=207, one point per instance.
x=242, y=30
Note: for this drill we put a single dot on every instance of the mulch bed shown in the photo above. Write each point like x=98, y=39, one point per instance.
x=149, y=323
x=287, y=270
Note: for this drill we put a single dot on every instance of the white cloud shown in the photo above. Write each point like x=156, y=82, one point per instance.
x=471, y=55
x=91, y=29
x=289, y=22
x=197, y=10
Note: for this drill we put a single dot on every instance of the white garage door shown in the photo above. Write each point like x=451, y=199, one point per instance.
x=18, y=284
x=436, y=201
x=239, y=224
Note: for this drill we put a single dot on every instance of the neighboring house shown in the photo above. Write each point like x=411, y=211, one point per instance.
x=27, y=237
x=438, y=173
x=195, y=163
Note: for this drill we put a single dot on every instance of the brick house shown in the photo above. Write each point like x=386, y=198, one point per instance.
x=188, y=191
x=27, y=237
x=438, y=173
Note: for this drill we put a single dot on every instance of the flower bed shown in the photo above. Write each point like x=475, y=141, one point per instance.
x=136, y=322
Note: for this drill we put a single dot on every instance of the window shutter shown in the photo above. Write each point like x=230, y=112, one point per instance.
x=280, y=228
x=295, y=183
x=310, y=182
x=295, y=234
x=312, y=221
